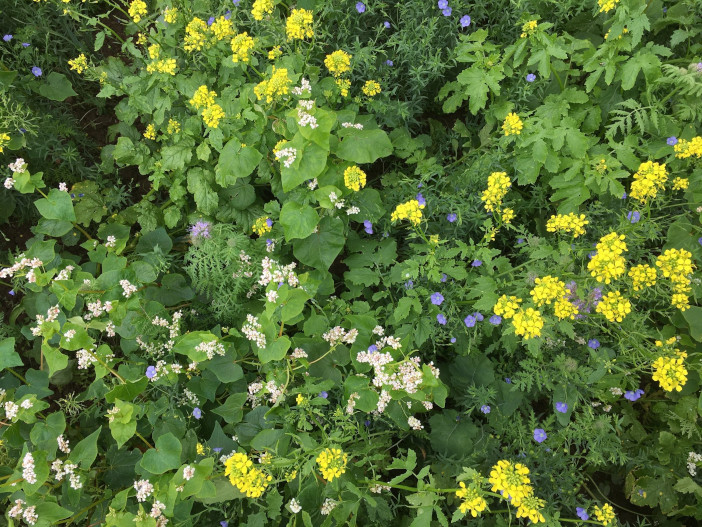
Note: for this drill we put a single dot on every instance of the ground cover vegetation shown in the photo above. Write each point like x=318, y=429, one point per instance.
x=350, y=263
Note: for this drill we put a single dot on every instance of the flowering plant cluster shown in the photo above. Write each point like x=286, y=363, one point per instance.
x=305, y=310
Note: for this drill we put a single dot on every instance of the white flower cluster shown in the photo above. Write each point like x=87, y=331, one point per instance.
x=127, y=288
x=351, y=404
x=383, y=401
x=352, y=210
x=288, y=155
x=51, y=315
x=85, y=359
x=63, y=444
x=63, y=187
x=258, y=392
x=328, y=506
x=414, y=423
x=295, y=507
x=378, y=488
x=29, y=514
x=18, y=166
x=9, y=183
x=272, y=296
x=111, y=242
x=357, y=126
x=189, y=398
x=211, y=349
x=28, y=468
x=616, y=390
x=67, y=470
x=22, y=263
x=157, y=509
x=312, y=184
x=97, y=308
x=144, y=489
x=65, y=274
x=11, y=409
x=298, y=353
x=305, y=86
x=188, y=472
x=338, y=203
x=338, y=334
x=304, y=118
x=272, y=271
x=251, y=331
x=692, y=460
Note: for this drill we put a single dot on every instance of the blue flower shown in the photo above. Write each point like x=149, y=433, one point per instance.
x=360, y=7
x=453, y=340
x=465, y=21
x=624, y=196
x=633, y=395
x=447, y=11
x=539, y=435
x=217, y=449
x=421, y=200
x=236, y=2
x=530, y=77
x=25, y=44
x=444, y=276
x=197, y=413
x=368, y=226
x=593, y=343
x=269, y=222
x=699, y=240
x=323, y=394
x=372, y=348
x=441, y=319
x=227, y=15
x=367, y=422
x=12, y=292
x=508, y=380
x=520, y=241
x=36, y=71
x=634, y=216
x=672, y=140
x=389, y=63
x=226, y=523
x=451, y=217
x=386, y=24
x=7, y=38
x=420, y=184
x=469, y=321
x=443, y=4
x=200, y=229
x=210, y=21
x=437, y=299
x=478, y=316
x=476, y=263
x=582, y=513
x=409, y=284
x=495, y=320
x=485, y=409
x=151, y=372
x=562, y=407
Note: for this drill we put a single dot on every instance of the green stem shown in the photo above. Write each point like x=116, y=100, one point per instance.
x=144, y=439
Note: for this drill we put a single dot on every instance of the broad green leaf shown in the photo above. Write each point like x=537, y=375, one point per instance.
x=310, y=162
x=57, y=87
x=165, y=457
x=175, y=157
x=8, y=356
x=233, y=408
x=55, y=360
x=56, y=206
x=321, y=248
x=364, y=146
x=274, y=350
x=85, y=452
x=236, y=162
x=298, y=221
x=294, y=304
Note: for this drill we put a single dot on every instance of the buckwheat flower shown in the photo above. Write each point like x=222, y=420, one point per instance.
x=530, y=77
x=386, y=24
x=441, y=319
x=672, y=140
x=197, y=413
x=451, y=217
x=360, y=7
x=144, y=489
x=447, y=11
x=469, y=321
x=495, y=320
x=30, y=515
x=633, y=216
x=539, y=435
x=368, y=226
x=7, y=38
x=593, y=343
x=634, y=395
x=476, y=263
x=36, y=71
x=582, y=513
x=562, y=407
x=437, y=299
x=389, y=63
x=485, y=409
x=28, y=469
x=188, y=472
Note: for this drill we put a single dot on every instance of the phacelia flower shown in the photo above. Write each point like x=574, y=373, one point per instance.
x=200, y=229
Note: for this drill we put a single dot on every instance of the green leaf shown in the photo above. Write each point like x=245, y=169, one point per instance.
x=6, y=78
x=205, y=197
x=50, y=513
x=693, y=315
x=310, y=162
x=123, y=424
x=233, y=409
x=175, y=157
x=364, y=146
x=8, y=356
x=86, y=450
x=320, y=249
x=165, y=457
x=99, y=40
x=57, y=87
x=294, y=304
x=477, y=83
x=236, y=162
x=275, y=350
x=298, y=221
x=55, y=360
x=127, y=391
x=56, y=206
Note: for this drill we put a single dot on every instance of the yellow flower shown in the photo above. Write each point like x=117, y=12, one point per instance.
x=676, y=264
x=371, y=88
x=275, y=53
x=547, y=289
x=607, y=5
x=354, y=178
x=137, y=9
x=472, y=500
x=163, y=66
x=275, y=87
x=245, y=476
x=203, y=97
x=528, y=28
x=141, y=39
x=513, y=124
x=173, y=127
x=150, y=132
x=170, y=14
x=195, y=34
x=344, y=85
x=262, y=225
x=4, y=139
x=608, y=263
x=507, y=216
x=648, y=180
x=291, y=475
x=684, y=149
x=642, y=276
x=300, y=399
x=681, y=183
x=680, y=301
x=200, y=449
x=409, y=210
x=338, y=62
x=261, y=7
x=569, y=223
x=604, y=514
x=614, y=306
x=530, y=507
x=299, y=24
x=563, y=309
x=601, y=166
x=510, y=479
x=79, y=64
x=507, y=306
x=241, y=45
x=154, y=51
x=498, y=186
x=222, y=28
x=212, y=115
x=528, y=323
x=332, y=463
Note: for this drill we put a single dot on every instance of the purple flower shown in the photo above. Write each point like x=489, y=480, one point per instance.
x=236, y=2
x=226, y=523
x=699, y=240
x=672, y=140
x=360, y=7
x=562, y=407
x=197, y=413
x=539, y=435
x=323, y=395
x=633, y=395
x=624, y=196
x=151, y=372
x=12, y=292
x=465, y=21
x=478, y=316
x=269, y=222
x=451, y=217
x=7, y=38
x=444, y=276
x=508, y=380
x=421, y=200
x=366, y=422
x=201, y=229
x=593, y=343
x=25, y=44
x=665, y=10
x=368, y=226
x=582, y=513
x=386, y=24
x=520, y=241
x=420, y=184
x=469, y=321
x=437, y=299
x=210, y=21
x=217, y=449
x=447, y=11
x=269, y=242
x=36, y=71
x=372, y=348
x=476, y=263
x=441, y=319
x=409, y=284
x=453, y=340
x=443, y=4
x=389, y=63
x=227, y=15
x=591, y=254
x=530, y=77
x=485, y=409
x=634, y=216
x=495, y=320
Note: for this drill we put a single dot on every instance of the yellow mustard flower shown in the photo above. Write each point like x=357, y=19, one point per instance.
x=274, y=53
x=261, y=7
x=371, y=88
x=203, y=97
x=471, y=500
x=222, y=28
x=528, y=323
x=608, y=263
x=150, y=132
x=498, y=186
x=648, y=180
x=354, y=178
x=410, y=210
x=275, y=87
x=569, y=223
x=642, y=276
x=507, y=306
x=530, y=507
x=605, y=514
x=680, y=183
x=607, y=5
x=338, y=62
x=4, y=140
x=547, y=289
x=614, y=306
x=564, y=309
x=332, y=463
x=242, y=44
x=299, y=24
x=245, y=476
x=137, y=9
x=173, y=127
x=528, y=28
x=195, y=35
x=170, y=14
x=344, y=86
x=212, y=115
x=262, y=225
x=684, y=148
x=79, y=64
x=513, y=124
x=511, y=479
